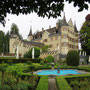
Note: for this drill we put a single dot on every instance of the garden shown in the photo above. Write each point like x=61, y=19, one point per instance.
x=18, y=74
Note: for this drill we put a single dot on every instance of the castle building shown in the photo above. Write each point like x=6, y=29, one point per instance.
x=61, y=38
x=22, y=45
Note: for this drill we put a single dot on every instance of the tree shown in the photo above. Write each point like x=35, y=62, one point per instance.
x=72, y=58
x=85, y=35
x=15, y=30
x=3, y=69
x=49, y=8
x=36, y=53
x=45, y=48
x=50, y=59
x=6, y=41
x=2, y=41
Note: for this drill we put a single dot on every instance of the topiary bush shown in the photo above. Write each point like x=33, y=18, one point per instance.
x=50, y=59
x=72, y=58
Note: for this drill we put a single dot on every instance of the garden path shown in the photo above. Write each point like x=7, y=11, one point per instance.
x=52, y=82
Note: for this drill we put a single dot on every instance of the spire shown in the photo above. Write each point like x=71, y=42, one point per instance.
x=64, y=18
x=30, y=33
x=75, y=28
x=64, y=22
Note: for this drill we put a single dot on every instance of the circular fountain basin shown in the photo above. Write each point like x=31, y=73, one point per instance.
x=62, y=72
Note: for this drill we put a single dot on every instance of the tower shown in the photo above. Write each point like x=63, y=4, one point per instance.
x=13, y=42
x=30, y=36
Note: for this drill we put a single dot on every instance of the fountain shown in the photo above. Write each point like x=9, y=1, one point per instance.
x=58, y=69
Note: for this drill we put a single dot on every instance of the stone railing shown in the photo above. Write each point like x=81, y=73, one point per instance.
x=45, y=54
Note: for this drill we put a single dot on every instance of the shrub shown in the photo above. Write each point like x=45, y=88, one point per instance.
x=50, y=59
x=36, y=53
x=72, y=58
x=4, y=87
x=20, y=60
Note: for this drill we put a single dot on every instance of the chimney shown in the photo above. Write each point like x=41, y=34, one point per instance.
x=49, y=27
x=42, y=29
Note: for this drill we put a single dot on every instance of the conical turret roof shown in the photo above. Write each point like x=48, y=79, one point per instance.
x=30, y=33
x=64, y=22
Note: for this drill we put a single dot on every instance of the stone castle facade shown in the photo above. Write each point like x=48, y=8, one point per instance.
x=61, y=39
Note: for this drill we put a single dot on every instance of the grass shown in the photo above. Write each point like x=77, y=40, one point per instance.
x=62, y=83
x=43, y=83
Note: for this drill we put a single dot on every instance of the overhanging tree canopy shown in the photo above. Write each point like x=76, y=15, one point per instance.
x=49, y=8
x=85, y=35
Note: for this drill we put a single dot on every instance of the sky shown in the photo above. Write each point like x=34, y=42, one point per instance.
x=25, y=21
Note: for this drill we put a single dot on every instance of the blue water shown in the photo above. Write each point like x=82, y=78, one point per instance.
x=54, y=72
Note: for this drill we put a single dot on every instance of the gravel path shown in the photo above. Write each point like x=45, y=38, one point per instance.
x=52, y=83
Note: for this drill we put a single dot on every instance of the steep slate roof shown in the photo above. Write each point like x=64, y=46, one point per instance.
x=52, y=31
x=32, y=43
x=64, y=22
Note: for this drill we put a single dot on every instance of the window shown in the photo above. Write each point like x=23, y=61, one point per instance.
x=64, y=29
x=65, y=36
x=45, y=40
x=65, y=43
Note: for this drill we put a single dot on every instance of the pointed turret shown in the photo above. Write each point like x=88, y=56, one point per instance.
x=75, y=28
x=64, y=22
x=64, y=18
x=30, y=33
x=70, y=22
x=30, y=36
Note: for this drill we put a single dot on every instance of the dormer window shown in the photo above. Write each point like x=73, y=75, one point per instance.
x=64, y=29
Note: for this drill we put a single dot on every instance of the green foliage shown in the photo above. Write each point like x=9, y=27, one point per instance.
x=72, y=58
x=21, y=60
x=45, y=48
x=4, y=87
x=50, y=59
x=17, y=69
x=85, y=37
x=4, y=42
x=43, y=83
x=49, y=8
x=1, y=41
x=79, y=82
x=3, y=67
x=15, y=30
x=36, y=53
x=24, y=84
x=62, y=83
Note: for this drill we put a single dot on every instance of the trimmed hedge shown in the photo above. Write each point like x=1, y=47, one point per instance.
x=79, y=77
x=62, y=83
x=43, y=83
x=21, y=60
x=72, y=58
